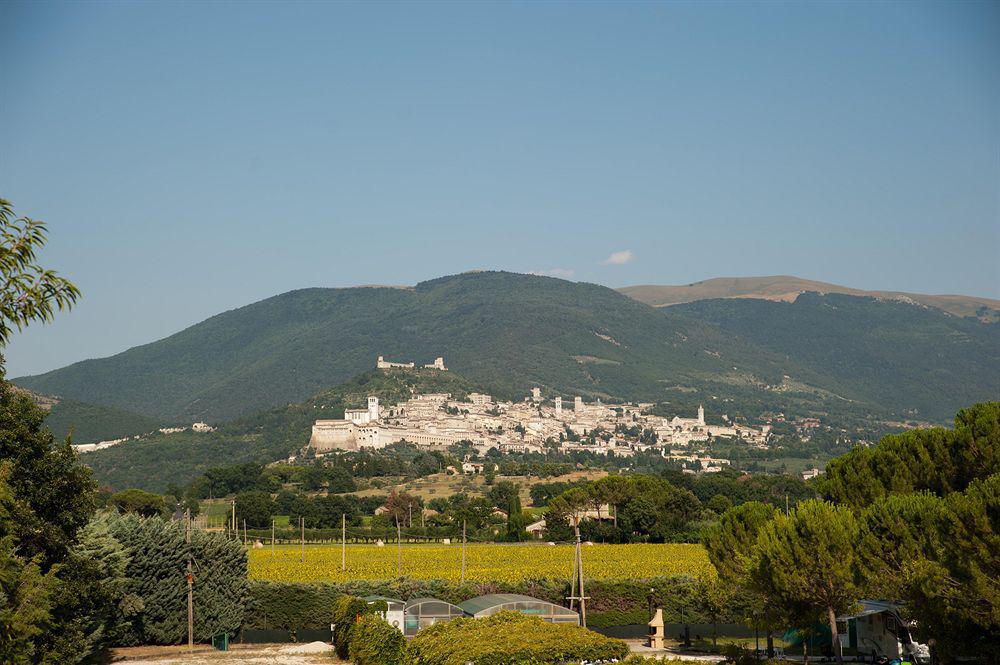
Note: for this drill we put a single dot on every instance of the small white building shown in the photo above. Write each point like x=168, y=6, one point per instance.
x=472, y=467
x=394, y=613
x=536, y=529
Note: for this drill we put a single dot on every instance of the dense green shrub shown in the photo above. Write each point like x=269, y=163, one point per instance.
x=157, y=587
x=630, y=617
x=373, y=641
x=290, y=606
x=347, y=610
x=508, y=638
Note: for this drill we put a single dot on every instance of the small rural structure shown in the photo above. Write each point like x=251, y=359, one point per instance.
x=657, y=632
x=395, y=611
x=484, y=606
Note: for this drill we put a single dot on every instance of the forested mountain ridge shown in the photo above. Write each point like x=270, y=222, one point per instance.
x=914, y=360
x=506, y=330
x=509, y=332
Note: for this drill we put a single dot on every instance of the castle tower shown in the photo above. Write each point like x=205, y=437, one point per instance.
x=372, y=408
x=536, y=394
x=701, y=415
x=558, y=407
x=578, y=404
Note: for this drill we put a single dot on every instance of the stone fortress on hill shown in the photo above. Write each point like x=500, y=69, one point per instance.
x=532, y=425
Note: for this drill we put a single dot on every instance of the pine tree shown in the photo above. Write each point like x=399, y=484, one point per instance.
x=955, y=597
x=937, y=460
x=807, y=561
x=730, y=541
x=898, y=534
x=730, y=545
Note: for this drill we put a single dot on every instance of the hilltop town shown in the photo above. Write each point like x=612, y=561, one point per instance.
x=535, y=424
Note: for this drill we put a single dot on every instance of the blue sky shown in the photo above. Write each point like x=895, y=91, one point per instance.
x=191, y=158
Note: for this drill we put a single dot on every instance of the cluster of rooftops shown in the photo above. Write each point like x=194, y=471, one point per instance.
x=412, y=615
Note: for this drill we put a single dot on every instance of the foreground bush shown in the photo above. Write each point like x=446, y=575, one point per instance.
x=374, y=642
x=154, y=608
x=347, y=610
x=508, y=638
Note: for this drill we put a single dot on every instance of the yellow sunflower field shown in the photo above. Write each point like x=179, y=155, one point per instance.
x=484, y=562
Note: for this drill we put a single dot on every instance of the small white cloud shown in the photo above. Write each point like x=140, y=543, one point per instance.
x=561, y=273
x=618, y=258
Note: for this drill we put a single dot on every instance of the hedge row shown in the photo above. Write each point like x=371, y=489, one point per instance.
x=509, y=638
x=612, y=602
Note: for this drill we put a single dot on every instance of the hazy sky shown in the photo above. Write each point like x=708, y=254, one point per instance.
x=191, y=158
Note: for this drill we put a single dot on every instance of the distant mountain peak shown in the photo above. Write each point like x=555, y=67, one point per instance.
x=788, y=287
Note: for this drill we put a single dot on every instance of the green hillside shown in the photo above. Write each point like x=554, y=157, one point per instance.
x=154, y=462
x=90, y=423
x=910, y=359
x=506, y=330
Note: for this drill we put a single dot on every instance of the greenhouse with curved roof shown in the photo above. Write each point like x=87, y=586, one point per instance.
x=423, y=612
x=484, y=606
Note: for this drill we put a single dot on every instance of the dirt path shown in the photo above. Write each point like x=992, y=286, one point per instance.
x=311, y=653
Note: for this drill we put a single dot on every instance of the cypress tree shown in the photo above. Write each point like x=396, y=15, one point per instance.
x=155, y=578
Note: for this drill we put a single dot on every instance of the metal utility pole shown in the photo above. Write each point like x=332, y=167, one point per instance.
x=244, y=532
x=272, y=536
x=578, y=573
x=573, y=580
x=343, y=541
x=463, y=551
x=399, y=551
x=190, y=578
x=579, y=566
x=302, y=525
x=234, y=529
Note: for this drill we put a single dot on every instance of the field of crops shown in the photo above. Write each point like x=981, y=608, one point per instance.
x=484, y=563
